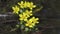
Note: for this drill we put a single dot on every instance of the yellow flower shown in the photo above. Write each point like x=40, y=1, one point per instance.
x=29, y=13
x=29, y=24
x=30, y=5
x=21, y=4
x=22, y=17
x=34, y=20
x=25, y=4
x=15, y=9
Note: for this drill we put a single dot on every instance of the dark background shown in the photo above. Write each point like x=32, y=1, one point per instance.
x=49, y=16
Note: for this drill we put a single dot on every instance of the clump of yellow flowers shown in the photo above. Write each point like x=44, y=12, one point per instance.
x=26, y=18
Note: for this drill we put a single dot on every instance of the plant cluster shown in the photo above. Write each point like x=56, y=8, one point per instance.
x=25, y=11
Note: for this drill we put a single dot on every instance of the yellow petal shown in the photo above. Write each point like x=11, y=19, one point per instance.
x=37, y=22
x=25, y=4
x=31, y=8
x=30, y=26
x=33, y=24
x=31, y=14
x=13, y=8
x=26, y=24
x=21, y=2
x=20, y=15
x=37, y=18
x=31, y=3
x=34, y=6
x=20, y=19
x=25, y=19
x=18, y=3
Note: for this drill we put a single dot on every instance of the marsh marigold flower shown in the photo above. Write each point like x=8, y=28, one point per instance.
x=15, y=9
